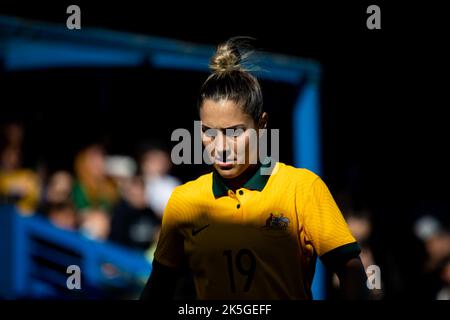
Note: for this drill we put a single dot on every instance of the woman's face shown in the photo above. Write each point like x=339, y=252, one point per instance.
x=225, y=148
x=95, y=160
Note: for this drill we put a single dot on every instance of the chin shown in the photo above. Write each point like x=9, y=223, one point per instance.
x=232, y=173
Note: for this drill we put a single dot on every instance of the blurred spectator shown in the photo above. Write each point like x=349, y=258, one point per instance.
x=444, y=273
x=121, y=169
x=63, y=215
x=360, y=225
x=361, y=228
x=56, y=203
x=93, y=188
x=59, y=187
x=134, y=224
x=436, y=241
x=435, y=238
x=95, y=223
x=155, y=165
x=18, y=186
x=13, y=134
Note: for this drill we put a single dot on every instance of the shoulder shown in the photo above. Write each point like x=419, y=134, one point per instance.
x=193, y=191
x=300, y=177
x=193, y=187
x=188, y=200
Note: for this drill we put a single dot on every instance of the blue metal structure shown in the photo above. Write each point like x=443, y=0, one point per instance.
x=27, y=45
x=307, y=154
x=35, y=256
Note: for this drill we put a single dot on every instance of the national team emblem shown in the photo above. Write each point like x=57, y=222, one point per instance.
x=276, y=222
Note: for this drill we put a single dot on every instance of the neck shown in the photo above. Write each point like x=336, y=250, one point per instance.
x=239, y=181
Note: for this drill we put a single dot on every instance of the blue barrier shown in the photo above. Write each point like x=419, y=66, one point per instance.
x=34, y=256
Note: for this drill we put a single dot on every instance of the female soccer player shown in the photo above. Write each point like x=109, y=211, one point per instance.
x=242, y=233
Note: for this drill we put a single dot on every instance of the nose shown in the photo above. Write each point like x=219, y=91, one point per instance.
x=222, y=146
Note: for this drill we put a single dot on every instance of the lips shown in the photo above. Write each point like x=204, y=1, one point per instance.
x=225, y=165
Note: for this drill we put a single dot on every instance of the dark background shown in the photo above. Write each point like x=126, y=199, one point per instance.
x=383, y=99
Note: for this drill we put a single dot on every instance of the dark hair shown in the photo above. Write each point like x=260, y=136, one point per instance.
x=230, y=80
x=59, y=206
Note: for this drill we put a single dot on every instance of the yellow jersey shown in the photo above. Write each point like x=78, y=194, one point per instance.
x=257, y=242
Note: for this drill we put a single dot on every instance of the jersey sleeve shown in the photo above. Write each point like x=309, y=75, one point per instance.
x=170, y=248
x=325, y=226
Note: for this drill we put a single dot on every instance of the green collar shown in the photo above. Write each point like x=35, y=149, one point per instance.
x=257, y=182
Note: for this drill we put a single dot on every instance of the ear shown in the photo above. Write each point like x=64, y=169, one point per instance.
x=263, y=120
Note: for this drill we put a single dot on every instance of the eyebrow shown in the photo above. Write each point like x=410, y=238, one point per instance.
x=237, y=126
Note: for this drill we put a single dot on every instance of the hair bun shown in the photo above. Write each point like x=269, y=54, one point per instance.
x=229, y=56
